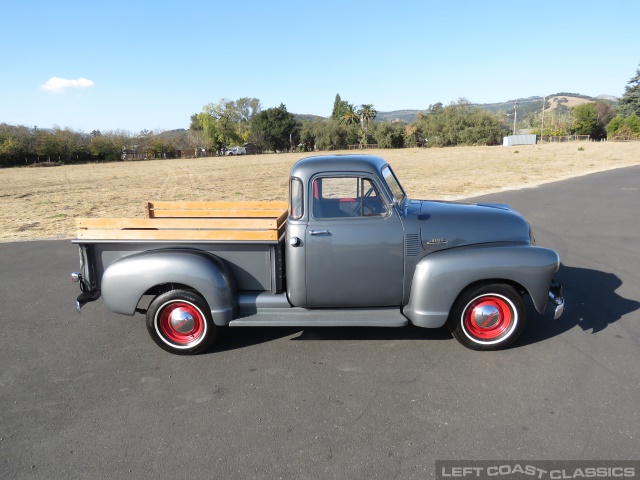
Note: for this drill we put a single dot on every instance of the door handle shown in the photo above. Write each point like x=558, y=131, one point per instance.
x=319, y=232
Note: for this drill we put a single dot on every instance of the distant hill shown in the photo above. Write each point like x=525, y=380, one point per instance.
x=304, y=117
x=526, y=106
x=408, y=116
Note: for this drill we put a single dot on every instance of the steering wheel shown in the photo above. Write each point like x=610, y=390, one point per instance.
x=371, y=206
x=356, y=210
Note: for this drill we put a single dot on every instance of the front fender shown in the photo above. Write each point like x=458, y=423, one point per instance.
x=125, y=282
x=440, y=277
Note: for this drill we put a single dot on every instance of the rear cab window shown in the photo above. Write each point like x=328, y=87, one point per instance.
x=295, y=199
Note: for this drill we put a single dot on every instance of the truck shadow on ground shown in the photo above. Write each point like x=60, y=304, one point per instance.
x=591, y=302
x=242, y=337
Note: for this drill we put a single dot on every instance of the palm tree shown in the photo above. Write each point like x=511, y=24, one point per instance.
x=366, y=113
x=350, y=116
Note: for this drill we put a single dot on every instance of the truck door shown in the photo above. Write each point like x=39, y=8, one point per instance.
x=354, y=245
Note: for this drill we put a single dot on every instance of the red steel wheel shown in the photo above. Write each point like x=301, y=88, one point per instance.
x=487, y=317
x=180, y=322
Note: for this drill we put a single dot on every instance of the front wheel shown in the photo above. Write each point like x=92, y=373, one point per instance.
x=180, y=322
x=487, y=317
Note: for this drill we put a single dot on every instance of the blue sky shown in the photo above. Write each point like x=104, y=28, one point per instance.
x=149, y=65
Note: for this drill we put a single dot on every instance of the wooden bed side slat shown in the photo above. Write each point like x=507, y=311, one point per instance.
x=275, y=205
x=282, y=218
x=224, y=235
x=178, y=223
x=217, y=213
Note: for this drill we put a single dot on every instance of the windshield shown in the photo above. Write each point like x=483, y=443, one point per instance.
x=393, y=184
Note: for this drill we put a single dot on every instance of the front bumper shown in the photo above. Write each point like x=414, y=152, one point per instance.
x=555, y=297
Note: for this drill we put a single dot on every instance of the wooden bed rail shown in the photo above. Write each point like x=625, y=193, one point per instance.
x=219, y=221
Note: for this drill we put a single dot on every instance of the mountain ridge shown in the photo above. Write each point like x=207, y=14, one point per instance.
x=525, y=105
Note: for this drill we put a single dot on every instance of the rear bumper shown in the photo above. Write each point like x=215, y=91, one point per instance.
x=86, y=297
x=555, y=297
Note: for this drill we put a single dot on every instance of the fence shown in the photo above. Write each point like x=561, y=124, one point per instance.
x=566, y=138
x=366, y=146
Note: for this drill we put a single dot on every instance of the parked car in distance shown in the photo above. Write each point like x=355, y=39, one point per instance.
x=236, y=151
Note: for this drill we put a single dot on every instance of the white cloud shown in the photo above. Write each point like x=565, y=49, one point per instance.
x=55, y=84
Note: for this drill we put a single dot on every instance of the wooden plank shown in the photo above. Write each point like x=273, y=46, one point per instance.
x=276, y=205
x=178, y=223
x=148, y=213
x=282, y=218
x=217, y=213
x=223, y=235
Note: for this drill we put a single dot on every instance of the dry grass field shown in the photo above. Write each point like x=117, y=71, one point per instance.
x=41, y=203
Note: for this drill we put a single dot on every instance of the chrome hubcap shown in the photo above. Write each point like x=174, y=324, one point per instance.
x=182, y=321
x=486, y=316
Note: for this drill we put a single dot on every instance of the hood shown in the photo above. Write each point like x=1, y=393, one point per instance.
x=448, y=224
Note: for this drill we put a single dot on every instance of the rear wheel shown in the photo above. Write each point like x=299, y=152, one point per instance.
x=180, y=322
x=487, y=317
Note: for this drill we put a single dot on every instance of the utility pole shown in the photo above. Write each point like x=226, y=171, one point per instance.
x=544, y=101
x=515, y=116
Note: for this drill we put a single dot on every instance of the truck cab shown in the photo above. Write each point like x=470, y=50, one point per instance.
x=345, y=235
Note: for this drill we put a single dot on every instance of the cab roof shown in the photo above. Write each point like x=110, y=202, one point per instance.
x=308, y=167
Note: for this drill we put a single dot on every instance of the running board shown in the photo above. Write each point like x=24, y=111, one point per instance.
x=303, y=317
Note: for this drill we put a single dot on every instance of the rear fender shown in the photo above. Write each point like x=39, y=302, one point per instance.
x=125, y=282
x=440, y=277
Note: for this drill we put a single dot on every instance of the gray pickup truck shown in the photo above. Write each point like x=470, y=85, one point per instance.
x=353, y=250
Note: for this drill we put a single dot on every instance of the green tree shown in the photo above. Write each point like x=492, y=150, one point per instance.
x=245, y=109
x=108, y=146
x=624, y=128
x=339, y=108
x=63, y=145
x=17, y=145
x=323, y=135
x=630, y=101
x=367, y=113
x=350, y=116
x=163, y=144
x=459, y=124
x=592, y=119
x=226, y=122
x=585, y=119
x=389, y=135
x=209, y=126
x=195, y=123
x=274, y=129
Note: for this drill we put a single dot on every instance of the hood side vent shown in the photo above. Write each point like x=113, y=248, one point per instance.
x=412, y=244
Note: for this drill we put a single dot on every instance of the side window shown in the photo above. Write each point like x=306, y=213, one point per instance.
x=295, y=200
x=372, y=203
x=341, y=197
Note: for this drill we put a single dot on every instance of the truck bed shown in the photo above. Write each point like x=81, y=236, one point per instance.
x=246, y=235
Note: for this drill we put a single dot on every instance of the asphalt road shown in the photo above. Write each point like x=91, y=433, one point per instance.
x=91, y=396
